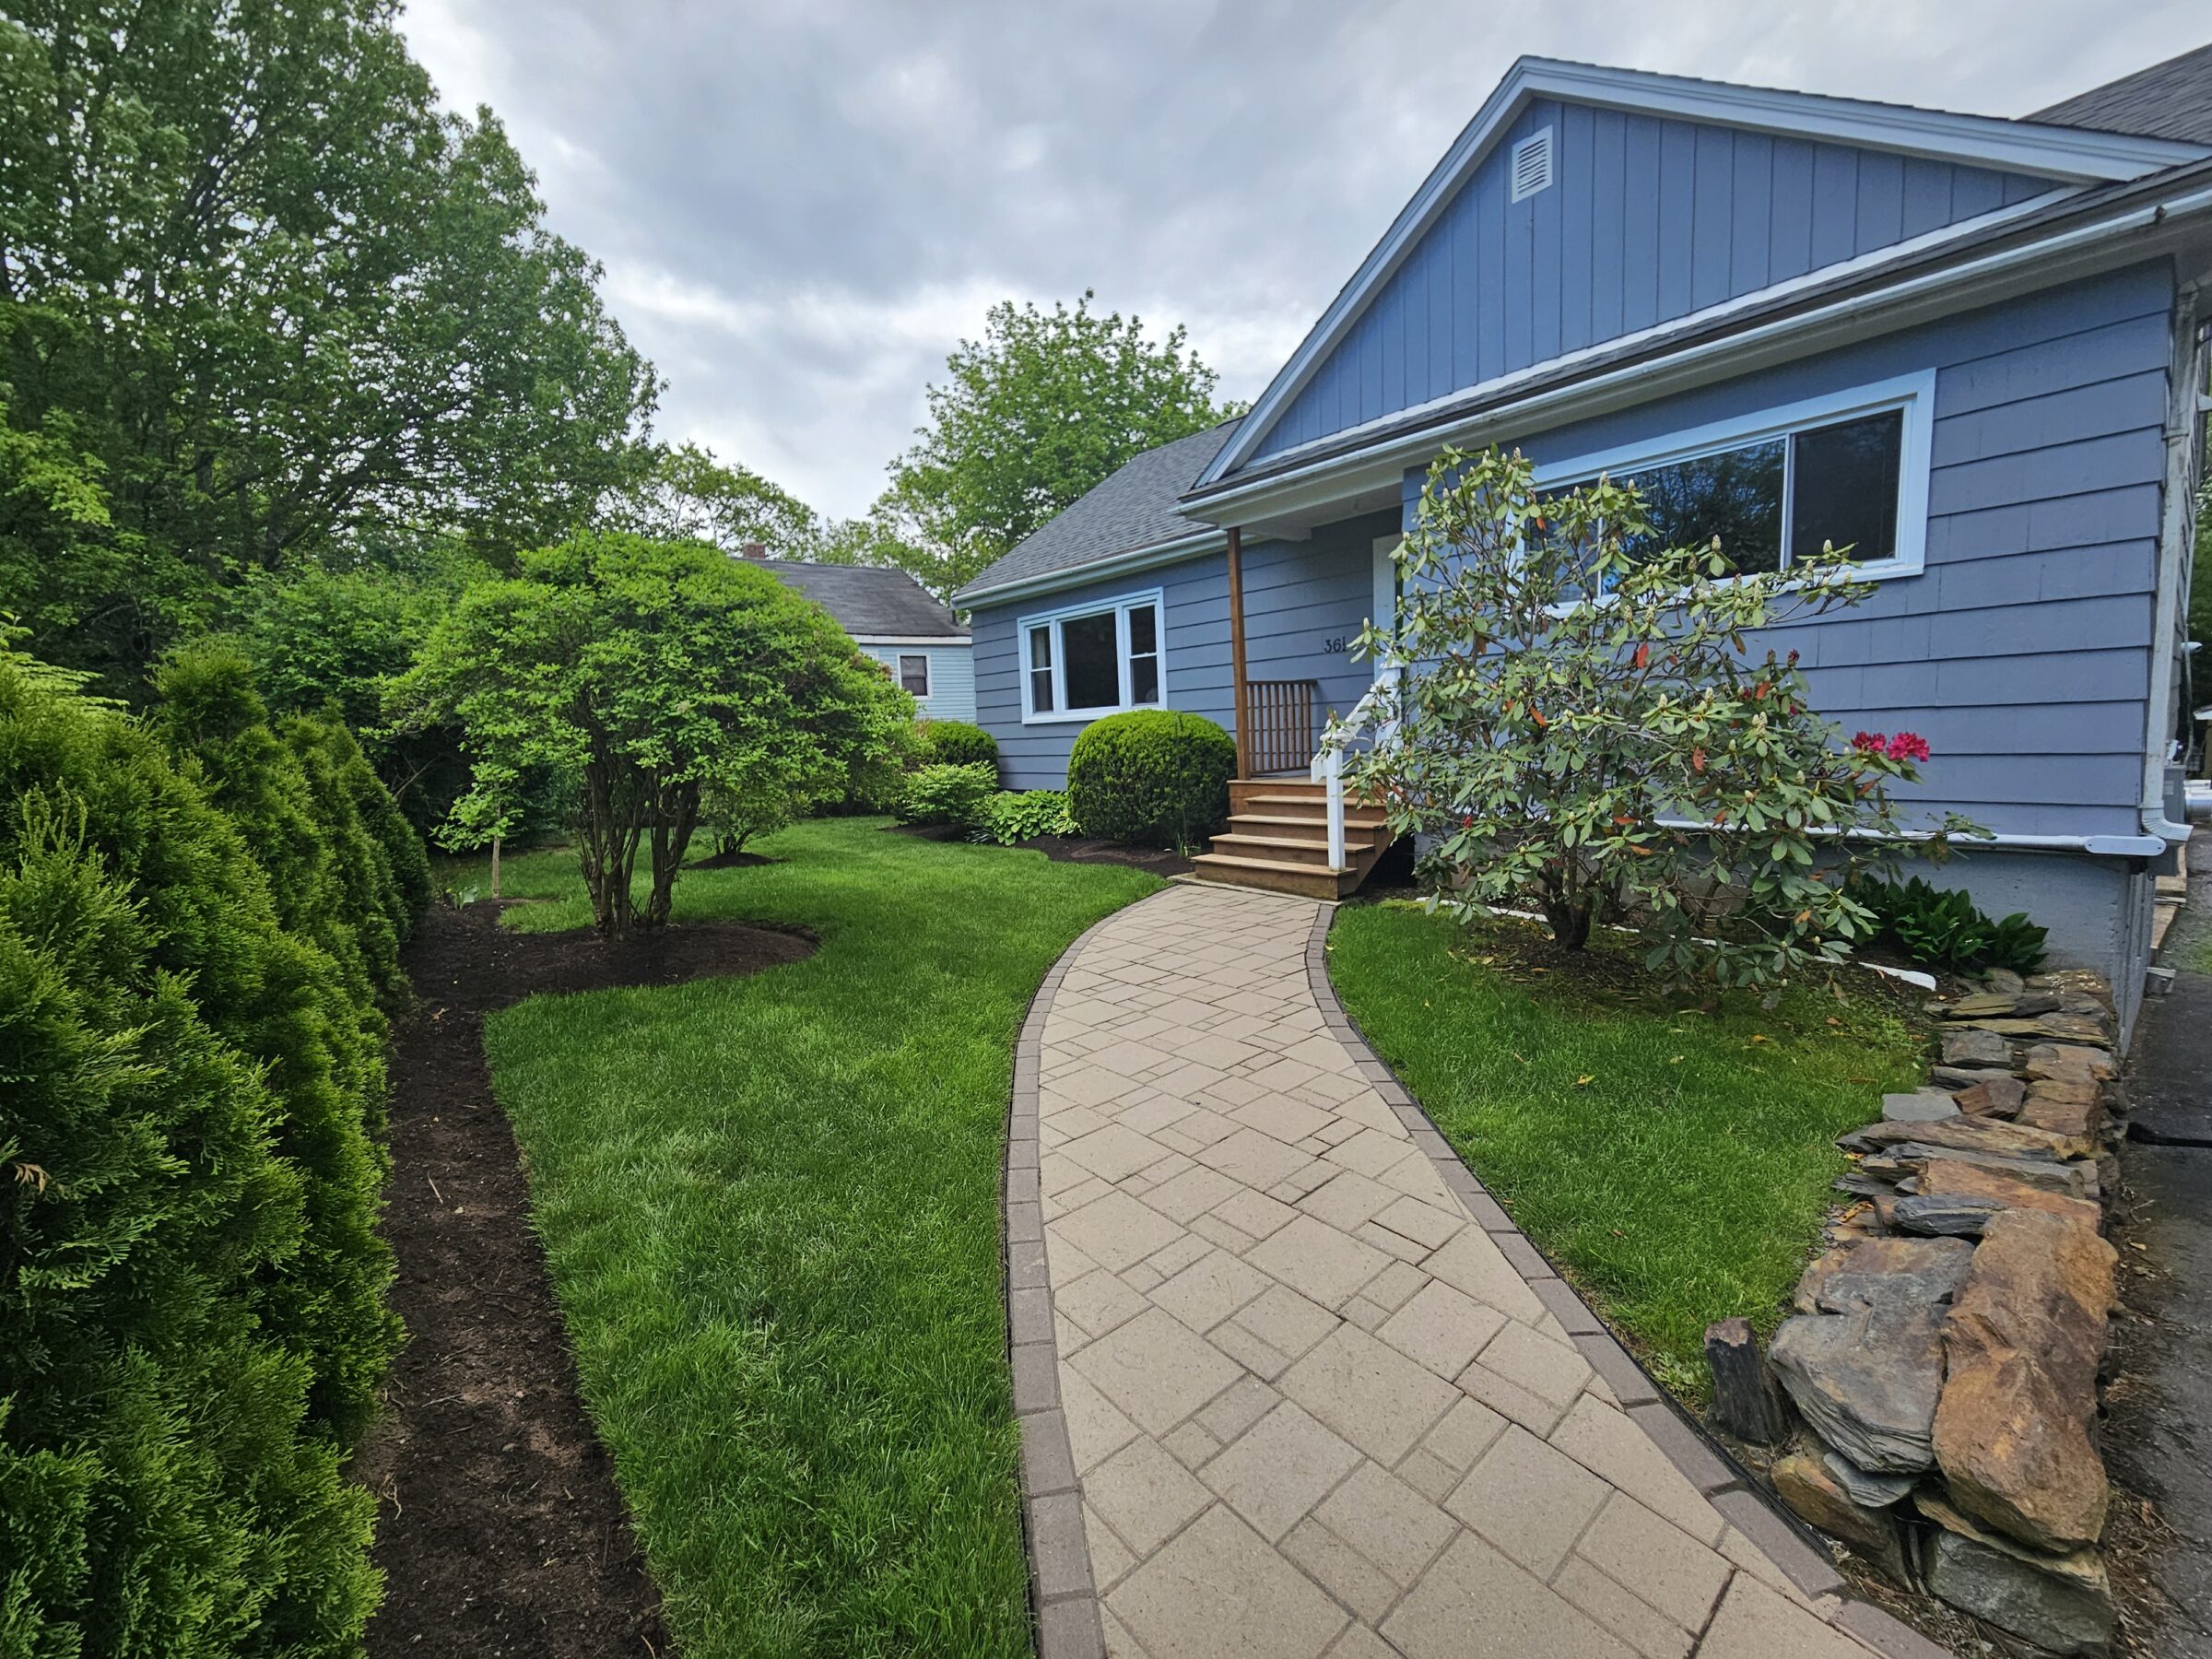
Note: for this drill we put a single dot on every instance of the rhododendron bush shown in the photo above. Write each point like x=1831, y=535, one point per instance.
x=1599, y=727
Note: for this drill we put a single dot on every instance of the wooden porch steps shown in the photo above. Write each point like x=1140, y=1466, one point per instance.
x=1279, y=839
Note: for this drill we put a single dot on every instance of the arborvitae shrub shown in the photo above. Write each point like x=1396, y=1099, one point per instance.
x=191, y=1316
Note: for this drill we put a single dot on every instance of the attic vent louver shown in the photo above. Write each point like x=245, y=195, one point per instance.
x=1532, y=164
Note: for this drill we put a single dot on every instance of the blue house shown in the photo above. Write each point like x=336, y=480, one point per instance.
x=1980, y=341
x=892, y=618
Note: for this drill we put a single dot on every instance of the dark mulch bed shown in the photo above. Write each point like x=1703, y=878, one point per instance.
x=730, y=861
x=1072, y=849
x=499, y=1527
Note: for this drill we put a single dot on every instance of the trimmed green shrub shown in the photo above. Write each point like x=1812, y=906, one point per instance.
x=1940, y=928
x=956, y=743
x=1016, y=816
x=195, y=1325
x=1151, y=775
x=947, y=794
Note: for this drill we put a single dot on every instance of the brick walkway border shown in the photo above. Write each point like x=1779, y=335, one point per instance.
x=1063, y=1594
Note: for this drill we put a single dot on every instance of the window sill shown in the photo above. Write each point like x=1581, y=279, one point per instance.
x=1071, y=716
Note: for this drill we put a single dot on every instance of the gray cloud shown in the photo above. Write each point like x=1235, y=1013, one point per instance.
x=803, y=204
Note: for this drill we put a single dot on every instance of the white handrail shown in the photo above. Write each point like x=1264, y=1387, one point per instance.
x=1328, y=765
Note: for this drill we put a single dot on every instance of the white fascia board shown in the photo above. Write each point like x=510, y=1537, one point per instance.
x=2071, y=153
x=1120, y=564
x=2031, y=266
x=860, y=639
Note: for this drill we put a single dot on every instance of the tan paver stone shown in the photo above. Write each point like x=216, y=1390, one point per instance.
x=1145, y=1494
x=1278, y=1469
x=1604, y=1440
x=1181, y=1251
x=1474, y=1602
x=1551, y=1371
x=1533, y=1412
x=1261, y=1358
x=1097, y=1428
x=1390, y=1243
x=1755, y=1623
x=1317, y=1261
x=1286, y=1320
x=1202, y=1127
x=1388, y=1522
x=1116, y=1152
x=1088, y=1085
x=1256, y=1159
x=1754, y=1560
x=1367, y=1315
x=1347, y=1197
x=1360, y=1642
x=1156, y=1371
x=1188, y=1079
x=1233, y=1091
x=1069, y=1199
x=1468, y=1429
x=1443, y=1328
x=1220, y=1591
x=1470, y=1261
x=1115, y=1230
x=1254, y=1213
x=1651, y=1634
x=1215, y=1230
x=1529, y=1500
x=1244, y=1403
x=1342, y=1571
x=1429, y=1475
x=1190, y=1442
x=1369, y=1394
x=1128, y=1060
x=1425, y=1224
x=1372, y=1151
x=1284, y=1118
x=1209, y=1048
x=1662, y=1564
x=1152, y=1113
x=1394, y=1286
x=1110, y=1557
x=1210, y=1289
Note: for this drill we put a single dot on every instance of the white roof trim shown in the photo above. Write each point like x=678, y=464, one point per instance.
x=1118, y=564
x=2070, y=154
x=859, y=639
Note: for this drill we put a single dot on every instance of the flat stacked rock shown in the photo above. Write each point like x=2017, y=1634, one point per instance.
x=1944, y=1351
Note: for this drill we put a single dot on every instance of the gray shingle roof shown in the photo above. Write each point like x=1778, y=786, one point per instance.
x=2173, y=99
x=868, y=599
x=1135, y=508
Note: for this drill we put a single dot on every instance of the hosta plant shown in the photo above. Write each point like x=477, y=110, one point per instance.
x=1593, y=725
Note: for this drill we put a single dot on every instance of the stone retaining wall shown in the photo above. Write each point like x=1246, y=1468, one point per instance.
x=1943, y=1361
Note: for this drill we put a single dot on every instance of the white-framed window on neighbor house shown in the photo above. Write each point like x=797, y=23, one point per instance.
x=1849, y=469
x=914, y=673
x=1089, y=659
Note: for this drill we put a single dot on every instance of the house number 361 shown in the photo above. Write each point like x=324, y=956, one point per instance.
x=1334, y=644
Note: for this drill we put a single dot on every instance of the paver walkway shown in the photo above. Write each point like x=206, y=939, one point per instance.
x=1297, y=1399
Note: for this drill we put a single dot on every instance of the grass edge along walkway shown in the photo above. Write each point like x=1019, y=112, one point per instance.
x=1674, y=1163
x=771, y=1208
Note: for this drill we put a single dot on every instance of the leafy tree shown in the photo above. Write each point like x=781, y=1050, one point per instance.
x=688, y=495
x=650, y=678
x=260, y=291
x=1581, y=724
x=1037, y=412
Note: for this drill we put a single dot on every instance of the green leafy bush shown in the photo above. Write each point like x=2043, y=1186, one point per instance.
x=1151, y=775
x=948, y=795
x=1941, y=928
x=956, y=743
x=1582, y=725
x=1017, y=815
x=192, y=1287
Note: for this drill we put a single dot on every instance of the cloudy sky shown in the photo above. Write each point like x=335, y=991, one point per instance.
x=803, y=204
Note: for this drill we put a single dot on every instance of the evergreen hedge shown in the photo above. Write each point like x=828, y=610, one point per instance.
x=1151, y=775
x=198, y=912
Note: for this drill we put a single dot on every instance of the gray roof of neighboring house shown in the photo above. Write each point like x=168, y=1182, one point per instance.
x=868, y=599
x=2173, y=99
x=1134, y=509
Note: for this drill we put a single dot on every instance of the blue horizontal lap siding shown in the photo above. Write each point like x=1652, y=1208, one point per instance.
x=2023, y=652
x=1648, y=219
x=1298, y=596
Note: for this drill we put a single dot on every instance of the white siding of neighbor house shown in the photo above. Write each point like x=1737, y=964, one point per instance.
x=951, y=677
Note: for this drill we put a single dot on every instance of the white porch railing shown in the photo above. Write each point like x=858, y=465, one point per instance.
x=1328, y=765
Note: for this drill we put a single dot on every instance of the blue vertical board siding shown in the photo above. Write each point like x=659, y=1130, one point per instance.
x=1298, y=596
x=1648, y=219
x=2022, y=652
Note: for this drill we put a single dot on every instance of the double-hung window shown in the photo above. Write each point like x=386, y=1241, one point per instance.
x=914, y=673
x=1092, y=659
x=1849, y=470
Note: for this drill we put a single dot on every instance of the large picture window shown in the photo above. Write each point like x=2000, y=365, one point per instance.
x=1850, y=470
x=1090, y=660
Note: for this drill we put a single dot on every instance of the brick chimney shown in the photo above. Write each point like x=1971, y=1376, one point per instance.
x=755, y=550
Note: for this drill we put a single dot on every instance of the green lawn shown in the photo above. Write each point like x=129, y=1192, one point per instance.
x=1675, y=1164
x=770, y=1206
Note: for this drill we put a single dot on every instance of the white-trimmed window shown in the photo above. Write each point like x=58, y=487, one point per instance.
x=1850, y=469
x=914, y=673
x=1089, y=659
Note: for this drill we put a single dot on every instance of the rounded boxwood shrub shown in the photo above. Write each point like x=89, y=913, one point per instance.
x=1150, y=775
x=956, y=743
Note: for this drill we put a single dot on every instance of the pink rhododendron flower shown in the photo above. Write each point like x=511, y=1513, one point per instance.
x=1868, y=743
x=1908, y=745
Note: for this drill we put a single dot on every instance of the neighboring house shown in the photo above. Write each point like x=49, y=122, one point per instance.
x=892, y=618
x=1971, y=345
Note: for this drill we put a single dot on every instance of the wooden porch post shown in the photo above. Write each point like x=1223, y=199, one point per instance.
x=1236, y=649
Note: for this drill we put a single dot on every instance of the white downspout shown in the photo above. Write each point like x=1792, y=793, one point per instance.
x=2184, y=418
